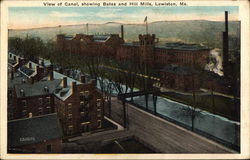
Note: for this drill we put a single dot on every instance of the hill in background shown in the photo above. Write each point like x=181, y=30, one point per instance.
x=208, y=33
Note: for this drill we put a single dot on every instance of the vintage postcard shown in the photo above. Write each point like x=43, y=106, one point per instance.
x=125, y=79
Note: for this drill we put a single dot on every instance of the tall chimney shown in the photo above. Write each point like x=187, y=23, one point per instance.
x=82, y=78
x=225, y=47
x=122, y=32
x=226, y=21
x=73, y=85
x=64, y=82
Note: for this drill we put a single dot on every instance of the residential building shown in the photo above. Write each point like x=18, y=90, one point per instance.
x=79, y=105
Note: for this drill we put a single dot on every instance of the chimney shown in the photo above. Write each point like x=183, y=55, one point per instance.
x=51, y=75
x=12, y=74
x=42, y=63
x=19, y=60
x=73, y=85
x=82, y=78
x=64, y=82
x=122, y=32
x=37, y=69
x=30, y=65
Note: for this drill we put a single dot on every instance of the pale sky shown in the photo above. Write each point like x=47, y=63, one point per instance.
x=34, y=17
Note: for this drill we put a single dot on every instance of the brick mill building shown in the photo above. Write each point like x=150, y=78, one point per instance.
x=145, y=51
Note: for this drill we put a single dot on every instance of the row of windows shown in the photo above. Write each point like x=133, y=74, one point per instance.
x=40, y=101
x=41, y=111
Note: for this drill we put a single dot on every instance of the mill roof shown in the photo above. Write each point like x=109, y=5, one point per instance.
x=179, y=70
x=101, y=38
x=182, y=46
x=33, y=130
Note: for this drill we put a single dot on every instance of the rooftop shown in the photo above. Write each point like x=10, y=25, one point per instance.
x=101, y=38
x=130, y=44
x=38, y=88
x=179, y=70
x=64, y=93
x=183, y=46
x=33, y=130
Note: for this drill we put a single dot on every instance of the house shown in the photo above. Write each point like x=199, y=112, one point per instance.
x=15, y=61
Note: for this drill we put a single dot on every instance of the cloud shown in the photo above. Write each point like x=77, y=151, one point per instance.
x=64, y=15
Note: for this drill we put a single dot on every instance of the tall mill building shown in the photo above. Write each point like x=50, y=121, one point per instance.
x=145, y=51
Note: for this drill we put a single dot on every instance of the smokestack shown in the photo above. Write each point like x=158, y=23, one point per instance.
x=64, y=82
x=82, y=78
x=30, y=66
x=226, y=21
x=225, y=47
x=73, y=85
x=122, y=32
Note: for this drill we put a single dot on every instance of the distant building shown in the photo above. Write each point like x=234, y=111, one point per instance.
x=179, y=78
x=40, y=134
x=90, y=45
x=144, y=52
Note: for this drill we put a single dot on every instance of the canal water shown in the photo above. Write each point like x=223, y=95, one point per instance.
x=219, y=128
x=210, y=125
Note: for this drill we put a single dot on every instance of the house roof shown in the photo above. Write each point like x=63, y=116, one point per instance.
x=18, y=79
x=183, y=46
x=29, y=72
x=37, y=88
x=60, y=92
x=33, y=130
x=11, y=60
x=179, y=70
